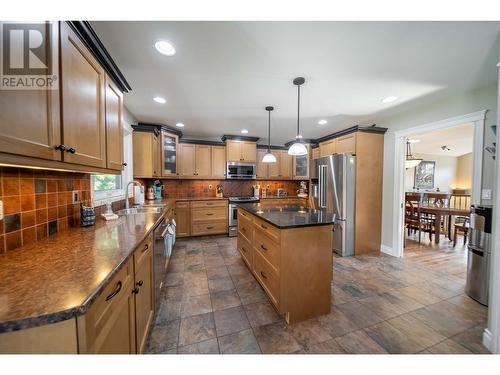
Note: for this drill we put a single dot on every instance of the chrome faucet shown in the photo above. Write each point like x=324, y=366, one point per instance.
x=134, y=182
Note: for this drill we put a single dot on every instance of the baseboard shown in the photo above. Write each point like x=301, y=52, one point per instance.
x=487, y=339
x=387, y=250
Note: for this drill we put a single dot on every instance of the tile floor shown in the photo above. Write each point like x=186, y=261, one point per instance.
x=381, y=304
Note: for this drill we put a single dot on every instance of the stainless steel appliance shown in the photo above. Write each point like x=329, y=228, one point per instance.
x=233, y=212
x=479, y=253
x=334, y=189
x=240, y=171
x=164, y=239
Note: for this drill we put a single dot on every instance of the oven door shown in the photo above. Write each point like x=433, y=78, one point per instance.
x=240, y=171
x=233, y=215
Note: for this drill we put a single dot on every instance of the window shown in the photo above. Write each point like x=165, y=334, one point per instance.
x=109, y=186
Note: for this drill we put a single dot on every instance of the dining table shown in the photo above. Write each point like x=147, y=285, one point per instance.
x=439, y=212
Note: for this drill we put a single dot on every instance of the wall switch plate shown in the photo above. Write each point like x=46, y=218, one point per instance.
x=210, y=187
x=75, y=197
x=486, y=194
x=1, y=210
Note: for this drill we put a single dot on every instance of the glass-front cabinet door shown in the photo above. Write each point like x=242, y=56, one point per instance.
x=169, y=143
x=301, y=167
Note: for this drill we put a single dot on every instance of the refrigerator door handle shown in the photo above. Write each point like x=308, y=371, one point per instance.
x=322, y=186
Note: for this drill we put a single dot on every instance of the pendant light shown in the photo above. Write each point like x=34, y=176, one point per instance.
x=298, y=148
x=269, y=157
x=410, y=160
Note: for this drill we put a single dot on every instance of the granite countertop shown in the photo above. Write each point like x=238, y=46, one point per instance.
x=201, y=199
x=59, y=277
x=289, y=216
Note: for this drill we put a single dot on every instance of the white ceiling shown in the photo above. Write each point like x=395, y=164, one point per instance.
x=225, y=73
x=458, y=139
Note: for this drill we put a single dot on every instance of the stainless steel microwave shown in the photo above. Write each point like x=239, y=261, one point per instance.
x=241, y=171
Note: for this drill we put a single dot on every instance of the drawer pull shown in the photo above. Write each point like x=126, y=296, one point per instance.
x=242, y=248
x=263, y=226
x=209, y=214
x=115, y=292
x=139, y=283
x=263, y=274
x=145, y=247
x=210, y=227
x=263, y=247
x=209, y=204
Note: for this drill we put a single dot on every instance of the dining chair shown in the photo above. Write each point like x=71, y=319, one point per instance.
x=414, y=219
x=461, y=226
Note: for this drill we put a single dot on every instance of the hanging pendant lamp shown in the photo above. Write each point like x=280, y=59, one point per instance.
x=298, y=148
x=269, y=157
x=410, y=160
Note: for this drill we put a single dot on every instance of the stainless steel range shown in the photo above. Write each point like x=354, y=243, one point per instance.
x=233, y=212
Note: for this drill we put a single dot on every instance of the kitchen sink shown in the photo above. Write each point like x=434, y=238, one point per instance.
x=140, y=210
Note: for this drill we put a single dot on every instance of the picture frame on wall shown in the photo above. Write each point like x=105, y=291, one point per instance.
x=424, y=175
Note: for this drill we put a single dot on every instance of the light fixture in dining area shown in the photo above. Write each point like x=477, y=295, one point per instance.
x=410, y=161
x=298, y=148
x=268, y=156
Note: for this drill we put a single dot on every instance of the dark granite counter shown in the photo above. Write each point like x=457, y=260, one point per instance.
x=289, y=216
x=59, y=277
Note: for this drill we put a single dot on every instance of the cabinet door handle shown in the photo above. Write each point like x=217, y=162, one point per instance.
x=242, y=248
x=139, y=283
x=135, y=290
x=209, y=204
x=145, y=247
x=210, y=227
x=124, y=164
x=209, y=214
x=263, y=226
x=71, y=150
x=263, y=247
x=115, y=292
x=60, y=147
x=263, y=274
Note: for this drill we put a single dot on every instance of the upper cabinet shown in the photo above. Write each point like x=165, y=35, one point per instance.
x=187, y=153
x=114, y=126
x=281, y=170
x=328, y=147
x=202, y=161
x=83, y=102
x=218, y=162
x=169, y=154
x=346, y=144
x=146, y=154
x=244, y=151
x=301, y=166
x=29, y=119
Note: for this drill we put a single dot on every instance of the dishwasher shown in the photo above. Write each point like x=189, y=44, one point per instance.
x=164, y=239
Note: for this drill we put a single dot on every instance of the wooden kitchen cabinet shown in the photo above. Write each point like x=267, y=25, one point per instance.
x=346, y=144
x=243, y=151
x=83, y=102
x=169, y=151
x=143, y=291
x=183, y=219
x=209, y=217
x=203, y=161
x=274, y=169
x=187, y=153
x=286, y=165
x=281, y=170
x=261, y=168
x=301, y=166
x=218, y=162
x=146, y=154
x=315, y=153
x=29, y=119
x=328, y=147
x=114, y=126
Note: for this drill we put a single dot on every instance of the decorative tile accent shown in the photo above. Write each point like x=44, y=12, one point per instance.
x=38, y=203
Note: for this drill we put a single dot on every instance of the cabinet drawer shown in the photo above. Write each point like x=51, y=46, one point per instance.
x=143, y=251
x=246, y=251
x=268, y=248
x=268, y=229
x=209, y=214
x=104, y=308
x=203, y=204
x=268, y=277
x=245, y=226
x=182, y=204
x=209, y=228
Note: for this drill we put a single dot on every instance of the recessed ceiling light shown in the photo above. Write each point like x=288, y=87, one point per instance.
x=159, y=99
x=322, y=122
x=413, y=140
x=244, y=131
x=498, y=64
x=390, y=99
x=165, y=48
x=179, y=125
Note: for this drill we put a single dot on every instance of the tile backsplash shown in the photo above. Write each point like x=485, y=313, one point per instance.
x=38, y=203
x=230, y=188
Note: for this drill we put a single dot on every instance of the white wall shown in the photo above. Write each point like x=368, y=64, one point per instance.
x=471, y=101
x=464, y=172
x=445, y=172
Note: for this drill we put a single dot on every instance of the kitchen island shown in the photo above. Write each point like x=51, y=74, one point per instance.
x=288, y=248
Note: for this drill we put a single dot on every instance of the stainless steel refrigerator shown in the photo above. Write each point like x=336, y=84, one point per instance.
x=334, y=189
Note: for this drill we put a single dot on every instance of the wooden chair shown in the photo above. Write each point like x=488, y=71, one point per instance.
x=414, y=219
x=461, y=227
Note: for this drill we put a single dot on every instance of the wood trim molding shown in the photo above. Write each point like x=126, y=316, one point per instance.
x=352, y=129
x=264, y=147
x=226, y=137
x=200, y=142
x=149, y=127
x=89, y=37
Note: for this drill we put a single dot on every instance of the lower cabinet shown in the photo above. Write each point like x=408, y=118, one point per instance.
x=183, y=219
x=198, y=218
x=118, y=321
